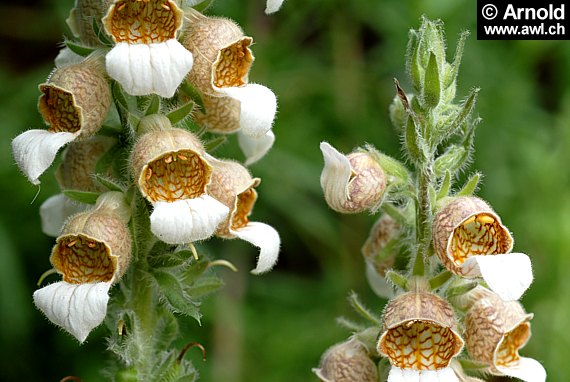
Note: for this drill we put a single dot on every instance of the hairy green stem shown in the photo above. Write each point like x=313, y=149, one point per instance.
x=424, y=216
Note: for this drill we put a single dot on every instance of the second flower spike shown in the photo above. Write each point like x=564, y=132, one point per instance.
x=471, y=241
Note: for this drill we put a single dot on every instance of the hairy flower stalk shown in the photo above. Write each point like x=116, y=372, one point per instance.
x=431, y=244
x=137, y=181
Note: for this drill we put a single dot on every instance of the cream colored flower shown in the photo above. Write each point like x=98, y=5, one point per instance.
x=74, y=102
x=420, y=338
x=347, y=362
x=234, y=187
x=171, y=172
x=221, y=68
x=92, y=253
x=471, y=241
x=495, y=331
x=351, y=183
x=146, y=57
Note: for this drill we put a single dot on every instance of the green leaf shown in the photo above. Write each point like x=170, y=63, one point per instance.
x=81, y=50
x=108, y=183
x=452, y=160
x=412, y=60
x=397, y=279
x=465, y=112
x=100, y=33
x=176, y=298
x=440, y=279
x=204, y=286
x=445, y=186
x=215, y=143
x=432, y=84
x=414, y=142
x=391, y=166
x=461, y=289
x=153, y=106
x=181, y=113
x=119, y=97
x=82, y=196
x=194, y=94
x=451, y=76
x=471, y=185
x=362, y=310
x=106, y=160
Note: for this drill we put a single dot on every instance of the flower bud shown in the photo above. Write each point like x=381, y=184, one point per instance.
x=495, y=330
x=92, y=253
x=81, y=17
x=419, y=336
x=79, y=161
x=347, y=362
x=146, y=58
x=471, y=241
x=352, y=183
x=171, y=172
x=233, y=186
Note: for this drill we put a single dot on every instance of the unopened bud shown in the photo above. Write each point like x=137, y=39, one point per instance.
x=347, y=362
x=81, y=18
x=351, y=183
x=375, y=248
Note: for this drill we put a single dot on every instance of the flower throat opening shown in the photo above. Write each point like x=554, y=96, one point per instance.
x=58, y=108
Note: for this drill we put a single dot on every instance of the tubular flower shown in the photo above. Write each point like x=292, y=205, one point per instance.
x=347, y=362
x=420, y=338
x=351, y=183
x=91, y=254
x=146, y=58
x=380, y=254
x=172, y=173
x=471, y=241
x=74, y=173
x=234, y=187
x=495, y=330
x=74, y=102
x=222, y=63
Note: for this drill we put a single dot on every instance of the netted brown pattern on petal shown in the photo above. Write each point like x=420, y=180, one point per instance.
x=143, y=21
x=366, y=186
x=222, y=114
x=59, y=110
x=175, y=176
x=347, y=362
x=466, y=227
x=245, y=202
x=81, y=260
x=495, y=330
x=233, y=63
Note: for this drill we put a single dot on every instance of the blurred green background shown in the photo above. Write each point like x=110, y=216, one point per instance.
x=331, y=63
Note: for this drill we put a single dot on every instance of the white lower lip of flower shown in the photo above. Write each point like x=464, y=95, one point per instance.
x=273, y=6
x=266, y=239
x=508, y=275
x=377, y=283
x=143, y=69
x=335, y=176
x=409, y=375
x=527, y=369
x=55, y=211
x=77, y=308
x=35, y=150
x=258, y=106
x=188, y=220
x=255, y=148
